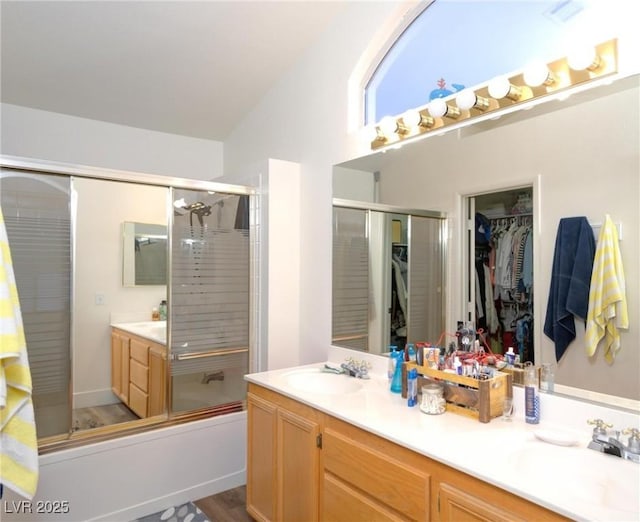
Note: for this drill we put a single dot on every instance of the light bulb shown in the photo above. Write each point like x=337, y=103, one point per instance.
x=388, y=126
x=501, y=87
x=439, y=108
x=584, y=58
x=373, y=133
x=467, y=99
x=537, y=73
x=414, y=118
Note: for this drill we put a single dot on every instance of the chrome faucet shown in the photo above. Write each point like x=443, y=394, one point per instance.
x=355, y=368
x=610, y=443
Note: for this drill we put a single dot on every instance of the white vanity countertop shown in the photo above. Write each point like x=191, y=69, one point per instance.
x=574, y=481
x=155, y=331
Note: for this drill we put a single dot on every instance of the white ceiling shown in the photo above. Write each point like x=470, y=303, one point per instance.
x=190, y=68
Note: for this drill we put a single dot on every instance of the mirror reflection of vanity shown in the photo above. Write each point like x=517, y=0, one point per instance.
x=144, y=254
x=581, y=157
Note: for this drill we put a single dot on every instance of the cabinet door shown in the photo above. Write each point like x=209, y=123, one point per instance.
x=120, y=366
x=116, y=364
x=261, y=458
x=298, y=467
x=157, y=379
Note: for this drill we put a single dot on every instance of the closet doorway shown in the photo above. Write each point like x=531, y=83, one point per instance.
x=499, y=269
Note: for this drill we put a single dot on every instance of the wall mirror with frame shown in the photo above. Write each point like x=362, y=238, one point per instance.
x=144, y=254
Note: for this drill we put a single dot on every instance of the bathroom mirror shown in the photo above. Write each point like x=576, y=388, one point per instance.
x=581, y=157
x=144, y=254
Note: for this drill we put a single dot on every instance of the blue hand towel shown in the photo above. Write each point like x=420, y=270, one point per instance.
x=570, y=281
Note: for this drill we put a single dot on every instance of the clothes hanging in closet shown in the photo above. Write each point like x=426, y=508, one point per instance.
x=504, y=280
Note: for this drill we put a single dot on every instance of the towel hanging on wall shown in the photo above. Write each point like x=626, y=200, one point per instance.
x=18, y=439
x=570, y=280
x=607, y=297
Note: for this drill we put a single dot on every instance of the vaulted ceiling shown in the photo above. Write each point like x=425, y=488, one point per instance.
x=182, y=67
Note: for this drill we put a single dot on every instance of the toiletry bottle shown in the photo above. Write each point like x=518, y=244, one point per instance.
x=391, y=364
x=411, y=351
x=163, y=310
x=155, y=314
x=396, y=382
x=531, y=394
x=510, y=357
x=412, y=387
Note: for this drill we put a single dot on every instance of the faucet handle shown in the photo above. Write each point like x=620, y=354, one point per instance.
x=634, y=439
x=600, y=425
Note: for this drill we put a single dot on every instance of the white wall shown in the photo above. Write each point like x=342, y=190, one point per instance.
x=98, y=271
x=304, y=119
x=50, y=136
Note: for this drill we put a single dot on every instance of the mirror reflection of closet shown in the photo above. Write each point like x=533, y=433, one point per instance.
x=500, y=269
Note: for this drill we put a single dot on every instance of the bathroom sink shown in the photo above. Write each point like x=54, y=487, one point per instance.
x=314, y=380
x=600, y=484
x=154, y=330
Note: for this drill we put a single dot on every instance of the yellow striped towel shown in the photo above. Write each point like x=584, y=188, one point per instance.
x=18, y=439
x=607, y=298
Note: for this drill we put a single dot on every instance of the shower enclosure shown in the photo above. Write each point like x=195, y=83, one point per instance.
x=65, y=234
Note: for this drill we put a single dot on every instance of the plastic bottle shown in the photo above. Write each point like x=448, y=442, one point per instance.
x=510, y=357
x=391, y=364
x=411, y=351
x=531, y=394
x=546, y=378
x=412, y=387
x=396, y=382
x=163, y=310
x=155, y=314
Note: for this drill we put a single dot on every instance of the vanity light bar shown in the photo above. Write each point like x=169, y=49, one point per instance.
x=536, y=81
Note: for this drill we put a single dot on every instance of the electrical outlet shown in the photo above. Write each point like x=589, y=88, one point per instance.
x=99, y=299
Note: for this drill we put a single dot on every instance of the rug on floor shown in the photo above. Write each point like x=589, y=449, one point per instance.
x=188, y=512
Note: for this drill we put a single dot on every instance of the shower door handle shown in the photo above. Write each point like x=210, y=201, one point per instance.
x=212, y=353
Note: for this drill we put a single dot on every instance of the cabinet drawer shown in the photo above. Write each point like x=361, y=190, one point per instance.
x=391, y=485
x=139, y=351
x=139, y=375
x=138, y=400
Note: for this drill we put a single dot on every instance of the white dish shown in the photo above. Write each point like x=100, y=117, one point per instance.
x=559, y=438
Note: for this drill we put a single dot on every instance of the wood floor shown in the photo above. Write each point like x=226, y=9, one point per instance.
x=228, y=506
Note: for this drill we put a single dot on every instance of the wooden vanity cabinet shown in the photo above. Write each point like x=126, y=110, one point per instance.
x=283, y=456
x=348, y=474
x=138, y=373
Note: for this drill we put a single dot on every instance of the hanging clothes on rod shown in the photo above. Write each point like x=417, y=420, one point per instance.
x=504, y=281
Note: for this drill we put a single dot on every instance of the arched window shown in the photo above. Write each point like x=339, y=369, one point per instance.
x=454, y=44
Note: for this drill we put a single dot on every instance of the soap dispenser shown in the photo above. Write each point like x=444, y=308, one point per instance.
x=163, y=310
x=396, y=382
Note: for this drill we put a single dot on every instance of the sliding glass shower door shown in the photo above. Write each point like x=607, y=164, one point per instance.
x=209, y=300
x=37, y=217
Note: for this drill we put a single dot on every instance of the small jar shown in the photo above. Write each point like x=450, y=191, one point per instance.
x=433, y=402
x=546, y=378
